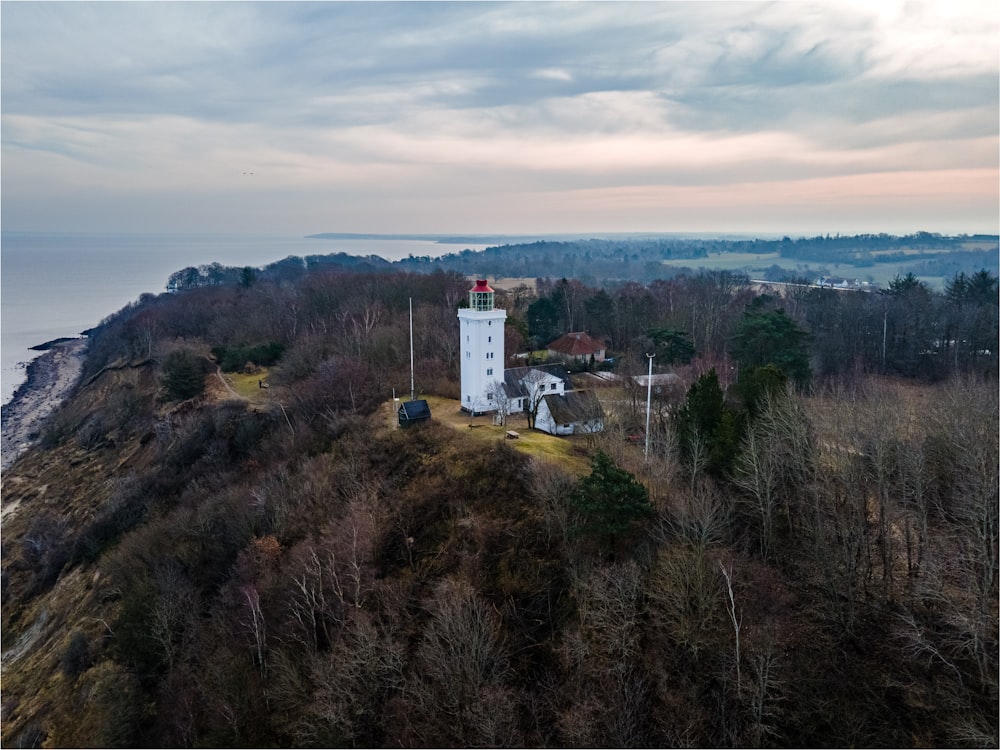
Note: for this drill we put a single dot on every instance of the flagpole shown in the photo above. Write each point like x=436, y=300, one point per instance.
x=413, y=395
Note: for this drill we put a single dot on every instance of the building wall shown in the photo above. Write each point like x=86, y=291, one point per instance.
x=545, y=423
x=598, y=356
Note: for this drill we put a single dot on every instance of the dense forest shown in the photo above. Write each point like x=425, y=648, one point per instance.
x=806, y=554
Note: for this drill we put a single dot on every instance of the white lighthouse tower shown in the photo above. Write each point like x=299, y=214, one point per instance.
x=481, y=331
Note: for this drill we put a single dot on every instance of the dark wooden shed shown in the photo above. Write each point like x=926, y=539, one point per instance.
x=413, y=412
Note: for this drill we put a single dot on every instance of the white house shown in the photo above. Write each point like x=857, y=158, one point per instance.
x=524, y=387
x=572, y=413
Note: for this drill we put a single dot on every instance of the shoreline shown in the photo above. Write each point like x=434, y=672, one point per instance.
x=50, y=378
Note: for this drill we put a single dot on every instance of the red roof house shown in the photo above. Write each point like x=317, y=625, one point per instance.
x=578, y=346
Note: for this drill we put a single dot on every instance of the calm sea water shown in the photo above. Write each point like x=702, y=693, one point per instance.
x=55, y=285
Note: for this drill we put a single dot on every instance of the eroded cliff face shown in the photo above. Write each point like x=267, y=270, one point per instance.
x=70, y=494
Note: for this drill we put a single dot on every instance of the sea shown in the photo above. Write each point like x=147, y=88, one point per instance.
x=57, y=285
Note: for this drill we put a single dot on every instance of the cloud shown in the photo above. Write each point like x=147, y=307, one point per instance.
x=393, y=103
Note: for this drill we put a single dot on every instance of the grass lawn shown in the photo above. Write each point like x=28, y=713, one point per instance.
x=572, y=453
x=247, y=386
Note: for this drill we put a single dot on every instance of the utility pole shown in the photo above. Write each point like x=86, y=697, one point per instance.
x=649, y=393
x=885, y=328
x=413, y=391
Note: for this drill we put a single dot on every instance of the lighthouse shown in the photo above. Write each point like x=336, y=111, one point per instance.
x=481, y=332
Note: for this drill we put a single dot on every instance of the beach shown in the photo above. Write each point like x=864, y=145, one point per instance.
x=50, y=378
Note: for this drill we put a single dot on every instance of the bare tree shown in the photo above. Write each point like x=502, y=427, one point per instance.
x=500, y=402
x=351, y=684
x=551, y=486
x=765, y=688
x=534, y=383
x=461, y=659
x=610, y=612
x=774, y=467
x=697, y=456
x=757, y=473
x=737, y=622
x=683, y=596
x=916, y=501
x=310, y=608
x=360, y=325
x=253, y=625
x=839, y=541
x=171, y=611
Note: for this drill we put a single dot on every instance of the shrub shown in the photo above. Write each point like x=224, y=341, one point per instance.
x=234, y=358
x=76, y=658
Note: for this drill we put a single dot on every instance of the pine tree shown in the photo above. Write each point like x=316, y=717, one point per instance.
x=610, y=501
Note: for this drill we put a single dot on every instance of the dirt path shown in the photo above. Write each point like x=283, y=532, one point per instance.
x=225, y=384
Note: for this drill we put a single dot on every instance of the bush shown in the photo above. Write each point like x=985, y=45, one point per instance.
x=76, y=658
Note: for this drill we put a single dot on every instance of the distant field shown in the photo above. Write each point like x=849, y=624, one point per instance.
x=754, y=265
x=512, y=282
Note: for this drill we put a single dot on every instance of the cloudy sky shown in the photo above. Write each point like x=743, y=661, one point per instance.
x=787, y=117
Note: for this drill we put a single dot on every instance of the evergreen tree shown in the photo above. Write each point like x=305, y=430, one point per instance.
x=672, y=346
x=610, y=501
x=708, y=431
x=183, y=377
x=903, y=285
x=543, y=320
x=770, y=337
x=758, y=384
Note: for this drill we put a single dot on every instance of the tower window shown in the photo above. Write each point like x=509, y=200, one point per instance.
x=489, y=339
x=489, y=371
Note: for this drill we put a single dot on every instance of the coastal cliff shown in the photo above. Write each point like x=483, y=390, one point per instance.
x=49, y=380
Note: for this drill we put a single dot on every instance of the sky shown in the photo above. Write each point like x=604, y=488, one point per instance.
x=500, y=118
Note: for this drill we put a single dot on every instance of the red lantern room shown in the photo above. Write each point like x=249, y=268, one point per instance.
x=481, y=296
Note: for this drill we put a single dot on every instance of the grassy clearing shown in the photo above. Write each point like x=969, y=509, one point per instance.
x=247, y=386
x=571, y=453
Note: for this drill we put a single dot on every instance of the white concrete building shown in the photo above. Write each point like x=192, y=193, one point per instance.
x=481, y=331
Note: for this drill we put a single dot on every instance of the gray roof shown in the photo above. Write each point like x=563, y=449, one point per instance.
x=664, y=378
x=513, y=378
x=414, y=410
x=574, y=406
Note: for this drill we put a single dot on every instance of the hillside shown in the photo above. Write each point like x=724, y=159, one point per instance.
x=192, y=559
